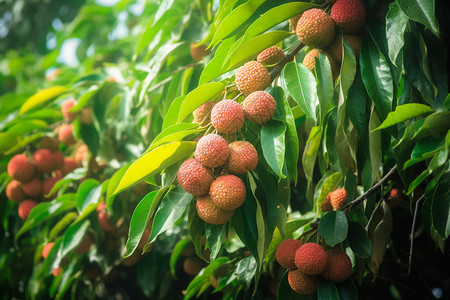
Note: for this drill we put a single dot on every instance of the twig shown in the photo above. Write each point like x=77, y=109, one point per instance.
x=277, y=70
x=404, y=287
x=412, y=235
x=370, y=191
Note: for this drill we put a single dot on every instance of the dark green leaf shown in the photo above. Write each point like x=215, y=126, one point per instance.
x=246, y=270
x=88, y=193
x=273, y=145
x=333, y=227
x=359, y=240
x=405, y=112
x=421, y=11
x=396, y=22
x=214, y=236
x=326, y=290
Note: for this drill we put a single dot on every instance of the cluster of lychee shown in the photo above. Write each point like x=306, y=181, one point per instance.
x=335, y=200
x=317, y=29
x=306, y=261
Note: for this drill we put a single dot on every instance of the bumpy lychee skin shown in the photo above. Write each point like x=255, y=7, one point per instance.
x=338, y=198
x=315, y=28
x=32, y=188
x=251, y=77
x=335, y=48
x=202, y=115
x=198, y=51
x=243, y=157
x=302, y=283
x=293, y=23
x=228, y=192
x=47, y=186
x=25, y=207
x=311, y=259
x=285, y=254
x=192, y=265
x=208, y=211
x=339, y=266
x=46, y=249
x=43, y=161
x=194, y=178
x=227, y=116
x=69, y=165
x=66, y=106
x=259, y=107
x=14, y=191
x=20, y=168
x=270, y=56
x=65, y=134
x=395, y=198
x=212, y=151
x=349, y=15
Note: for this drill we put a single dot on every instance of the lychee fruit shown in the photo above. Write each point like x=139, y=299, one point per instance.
x=65, y=134
x=228, y=192
x=103, y=218
x=227, y=116
x=198, y=51
x=326, y=204
x=14, y=191
x=43, y=161
x=311, y=259
x=302, y=283
x=57, y=271
x=25, y=207
x=32, y=188
x=69, y=165
x=58, y=159
x=251, y=77
x=243, y=157
x=395, y=198
x=20, y=168
x=339, y=266
x=192, y=265
x=212, y=151
x=335, y=48
x=46, y=249
x=315, y=28
x=47, y=186
x=259, y=107
x=86, y=116
x=50, y=143
x=208, y=211
x=270, y=56
x=84, y=245
x=65, y=109
x=202, y=115
x=194, y=178
x=80, y=153
x=349, y=15
x=285, y=254
x=338, y=198
x=293, y=23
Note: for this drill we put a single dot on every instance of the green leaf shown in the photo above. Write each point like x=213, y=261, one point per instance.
x=421, y=11
x=114, y=182
x=204, y=93
x=310, y=155
x=347, y=290
x=27, y=126
x=41, y=97
x=73, y=236
x=441, y=206
x=173, y=133
x=246, y=270
x=396, y=22
x=273, y=145
x=325, y=86
x=214, y=236
x=435, y=123
x=7, y=141
x=176, y=253
x=326, y=290
x=333, y=227
x=359, y=240
x=301, y=84
x=215, y=67
x=171, y=116
x=154, y=161
x=405, y=112
x=84, y=99
x=88, y=193
x=328, y=183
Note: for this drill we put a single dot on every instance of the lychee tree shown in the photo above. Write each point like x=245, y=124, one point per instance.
x=232, y=149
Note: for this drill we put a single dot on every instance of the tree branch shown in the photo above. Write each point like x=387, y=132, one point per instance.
x=370, y=191
x=277, y=70
x=411, y=246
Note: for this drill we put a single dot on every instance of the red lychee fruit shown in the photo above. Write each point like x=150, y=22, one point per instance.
x=349, y=15
x=50, y=143
x=194, y=178
x=86, y=116
x=339, y=266
x=302, y=283
x=315, y=28
x=227, y=116
x=311, y=259
x=65, y=134
x=80, y=154
x=58, y=159
x=202, y=115
x=208, y=211
x=65, y=109
x=243, y=157
x=32, y=188
x=338, y=198
x=69, y=165
x=198, y=51
x=46, y=249
x=84, y=245
x=259, y=107
x=47, y=186
x=14, y=191
x=25, y=207
x=57, y=271
x=251, y=77
x=228, y=192
x=20, y=168
x=293, y=23
x=192, y=265
x=103, y=218
x=395, y=198
x=270, y=56
x=285, y=254
x=43, y=161
x=212, y=151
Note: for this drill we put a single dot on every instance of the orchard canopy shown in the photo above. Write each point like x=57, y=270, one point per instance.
x=224, y=149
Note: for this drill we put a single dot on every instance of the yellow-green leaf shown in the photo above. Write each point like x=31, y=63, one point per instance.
x=41, y=97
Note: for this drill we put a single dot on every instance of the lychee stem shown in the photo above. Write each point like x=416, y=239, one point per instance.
x=277, y=70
